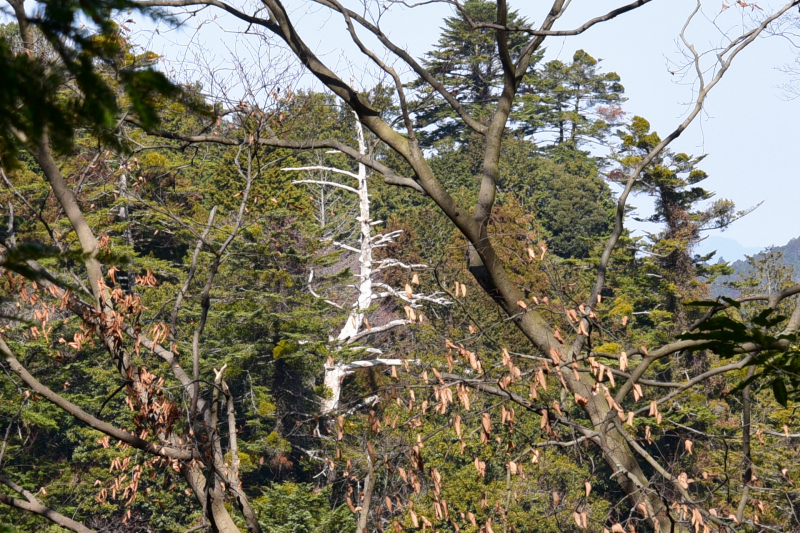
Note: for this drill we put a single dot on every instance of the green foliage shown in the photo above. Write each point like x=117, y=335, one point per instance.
x=672, y=180
x=572, y=202
x=36, y=102
x=265, y=326
x=777, y=358
x=299, y=508
x=467, y=62
x=560, y=99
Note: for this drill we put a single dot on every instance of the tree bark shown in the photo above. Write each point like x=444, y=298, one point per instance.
x=366, y=501
x=37, y=508
x=747, y=463
x=213, y=501
x=356, y=317
x=69, y=203
x=33, y=505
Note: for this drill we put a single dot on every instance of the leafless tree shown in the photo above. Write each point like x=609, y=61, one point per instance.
x=369, y=290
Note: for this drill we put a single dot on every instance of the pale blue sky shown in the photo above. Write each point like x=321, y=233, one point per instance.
x=748, y=130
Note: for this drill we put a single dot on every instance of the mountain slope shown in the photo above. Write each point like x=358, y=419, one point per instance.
x=791, y=259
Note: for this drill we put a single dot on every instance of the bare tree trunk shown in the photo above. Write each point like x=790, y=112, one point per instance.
x=68, y=201
x=334, y=376
x=221, y=518
x=126, y=276
x=216, y=511
x=213, y=500
x=356, y=317
x=335, y=373
x=747, y=464
x=366, y=501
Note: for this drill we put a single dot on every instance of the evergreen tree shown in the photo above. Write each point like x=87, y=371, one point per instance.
x=672, y=180
x=574, y=103
x=55, y=68
x=467, y=62
x=559, y=394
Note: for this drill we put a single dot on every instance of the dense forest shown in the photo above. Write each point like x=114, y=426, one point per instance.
x=410, y=305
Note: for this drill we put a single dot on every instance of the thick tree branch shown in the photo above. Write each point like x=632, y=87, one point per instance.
x=700, y=378
x=325, y=169
x=89, y=420
x=378, y=329
x=33, y=505
x=512, y=76
x=410, y=61
x=325, y=183
x=772, y=300
x=398, y=83
x=389, y=176
x=335, y=373
x=557, y=33
x=69, y=203
x=648, y=359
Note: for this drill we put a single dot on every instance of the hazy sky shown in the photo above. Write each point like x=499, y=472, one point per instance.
x=749, y=127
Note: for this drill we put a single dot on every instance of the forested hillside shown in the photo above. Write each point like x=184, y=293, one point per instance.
x=405, y=305
x=784, y=263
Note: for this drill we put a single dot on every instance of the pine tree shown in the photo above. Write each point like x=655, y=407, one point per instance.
x=672, y=180
x=574, y=102
x=467, y=62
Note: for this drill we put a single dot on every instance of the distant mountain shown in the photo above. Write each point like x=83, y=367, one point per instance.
x=727, y=249
x=791, y=258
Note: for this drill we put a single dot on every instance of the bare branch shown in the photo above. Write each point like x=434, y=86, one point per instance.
x=724, y=64
x=33, y=505
x=559, y=33
x=88, y=419
x=410, y=61
x=323, y=168
x=190, y=275
x=700, y=378
x=328, y=184
x=389, y=176
x=378, y=329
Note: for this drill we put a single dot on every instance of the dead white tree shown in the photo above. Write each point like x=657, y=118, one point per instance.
x=368, y=290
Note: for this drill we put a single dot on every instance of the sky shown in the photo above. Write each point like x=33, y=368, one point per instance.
x=748, y=128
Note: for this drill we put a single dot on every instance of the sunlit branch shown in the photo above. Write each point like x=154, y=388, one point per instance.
x=551, y=33
x=33, y=505
x=703, y=91
x=89, y=420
